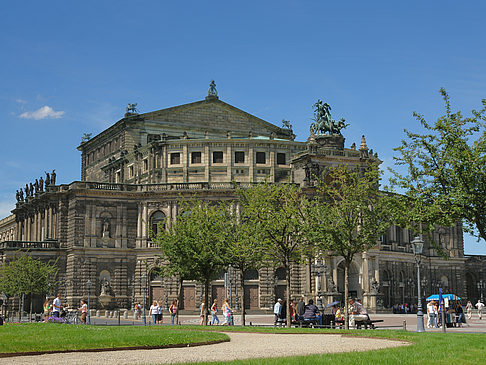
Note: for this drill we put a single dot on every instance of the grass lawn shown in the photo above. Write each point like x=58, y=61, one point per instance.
x=426, y=348
x=55, y=337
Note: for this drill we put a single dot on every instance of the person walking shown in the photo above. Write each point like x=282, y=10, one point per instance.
x=46, y=310
x=201, y=314
x=173, y=312
x=154, y=311
x=84, y=311
x=277, y=311
x=430, y=314
x=300, y=309
x=57, y=306
x=214, y=313
x=469, y=309
x=227, y=313
x=460, y=314
x=480, y=307
x=160, y=314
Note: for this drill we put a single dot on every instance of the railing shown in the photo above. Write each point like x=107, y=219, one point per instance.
x=28, y=245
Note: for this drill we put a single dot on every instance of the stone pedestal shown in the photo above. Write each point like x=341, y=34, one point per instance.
x=330, y=141
x=373, y=302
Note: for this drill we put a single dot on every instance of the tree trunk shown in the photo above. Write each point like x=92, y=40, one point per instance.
x=181, y=281
x=31, y=300
x=287, y=296
x=346, y=290
x=242, y=302
x=206, y=301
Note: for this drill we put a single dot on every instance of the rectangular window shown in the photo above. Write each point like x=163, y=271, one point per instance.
x=239, y=157
x=130, y=171
x=196, y=157
x=260, y=157
x=175, y=158
x=145, y=165
x=217, y=157
x=281, y=159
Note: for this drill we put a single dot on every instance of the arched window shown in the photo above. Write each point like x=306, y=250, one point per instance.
x=157, y=220
x=250, y=275
x=280, y=273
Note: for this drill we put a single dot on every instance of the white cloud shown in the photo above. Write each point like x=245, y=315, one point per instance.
x=21, y=101
x=42, y=113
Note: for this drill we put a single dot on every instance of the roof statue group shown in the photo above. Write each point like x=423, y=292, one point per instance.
x=36, y=187
x=323, y=123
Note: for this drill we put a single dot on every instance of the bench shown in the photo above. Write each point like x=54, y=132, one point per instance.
x=366, y=323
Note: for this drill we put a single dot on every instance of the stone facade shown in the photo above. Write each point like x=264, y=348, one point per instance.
x=134, y=173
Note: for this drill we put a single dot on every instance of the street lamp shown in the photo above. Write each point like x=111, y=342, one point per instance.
x=88, y=283
x=144, y=284
x=318, y=272
x=418, y=245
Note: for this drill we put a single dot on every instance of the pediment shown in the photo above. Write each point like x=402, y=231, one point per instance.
x=215, y=115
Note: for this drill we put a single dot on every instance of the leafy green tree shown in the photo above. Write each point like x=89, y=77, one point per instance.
x=348, y=214
x=26, y=275
x=245, y=251
x=278, y=209
x=446, y=169
x=194, y=245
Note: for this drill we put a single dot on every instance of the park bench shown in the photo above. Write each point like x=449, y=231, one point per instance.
x=364, y=323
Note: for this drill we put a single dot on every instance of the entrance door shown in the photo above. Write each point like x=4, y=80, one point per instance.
x=217, y=292
x=188, y=297
x=251, y=296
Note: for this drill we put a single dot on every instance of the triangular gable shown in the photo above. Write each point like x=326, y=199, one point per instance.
x=214, y=114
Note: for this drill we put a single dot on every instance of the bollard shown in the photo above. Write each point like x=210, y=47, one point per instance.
x=118, y=314
x=125, y=314
x=107, y=314
x=404, y=325
x=135, y=315
x=98, y=313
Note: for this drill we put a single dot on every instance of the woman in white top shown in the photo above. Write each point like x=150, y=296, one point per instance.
x=154, y=311
x=469, y=309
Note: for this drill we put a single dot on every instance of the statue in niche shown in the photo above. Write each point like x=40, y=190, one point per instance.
x=331, y=286
x=106, y=228
x=105, y=287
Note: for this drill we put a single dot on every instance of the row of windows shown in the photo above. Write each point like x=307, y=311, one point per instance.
x=260, y=158
x=104, y=150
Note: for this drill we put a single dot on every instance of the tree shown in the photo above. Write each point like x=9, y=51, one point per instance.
x=25, y=275
x=245, y=251
x=194, y=246
x=278, y=209
x=348, y=214
x=447, y=167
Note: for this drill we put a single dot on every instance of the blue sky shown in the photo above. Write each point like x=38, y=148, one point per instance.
x=69, y=68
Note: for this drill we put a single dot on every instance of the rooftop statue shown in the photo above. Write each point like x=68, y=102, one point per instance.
x=212, y=89
x=131, y=108
x=323, y=123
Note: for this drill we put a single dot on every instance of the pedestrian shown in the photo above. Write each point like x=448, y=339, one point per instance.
x=173, y=311
x=469, y=309
x=154, y=311
x=46, y=310
x=84, y=311
x=57, y=306
x=160, y=314
x=214, y=313
x=227, y=313
x=430, y=314
x=292, y=311
x=480, y=307
x=301, y=309
x=436, y=315
x=460, y=314
x=277, y=311
x=201, y=313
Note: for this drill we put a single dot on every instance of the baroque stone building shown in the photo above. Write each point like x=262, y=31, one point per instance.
x=132, y=177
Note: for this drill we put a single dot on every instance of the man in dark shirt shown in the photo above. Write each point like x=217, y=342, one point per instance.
x=312, y=313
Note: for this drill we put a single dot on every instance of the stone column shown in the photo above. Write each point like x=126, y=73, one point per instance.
x=207, y=163
x=185, y=162
x=139, y=225
x=251, y=163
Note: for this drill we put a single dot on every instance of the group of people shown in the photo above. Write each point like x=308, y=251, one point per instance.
x=298, y=312
x=157, y=312
x=57, y=310
x=434, y=318
x=404, y=308
x=225, y=309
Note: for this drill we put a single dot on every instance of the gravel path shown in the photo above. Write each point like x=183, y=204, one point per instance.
x=241, y=346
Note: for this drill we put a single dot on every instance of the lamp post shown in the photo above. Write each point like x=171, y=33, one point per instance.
x=88, y=284
x=418, y=246
x=318, y=272
x=144, y=284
